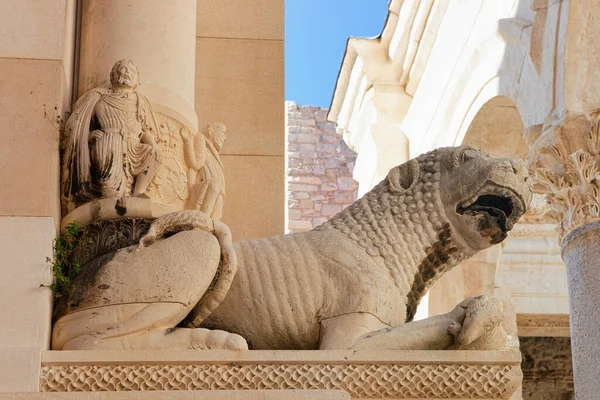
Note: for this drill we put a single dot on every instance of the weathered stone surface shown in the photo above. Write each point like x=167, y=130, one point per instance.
x=361, y=375
x=118, y=146
x=426, y=216
x=329, y=210
x=547, y=368
x=186, y=395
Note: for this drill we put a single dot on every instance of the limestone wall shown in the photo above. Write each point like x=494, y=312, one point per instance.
x=36, y=65
x=319, y=170
x=239, y=81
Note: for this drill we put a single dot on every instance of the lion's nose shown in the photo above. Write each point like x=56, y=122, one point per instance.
x=519, y=167
x=515, y=166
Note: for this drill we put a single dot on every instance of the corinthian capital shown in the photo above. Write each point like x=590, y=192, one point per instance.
x=565, y=160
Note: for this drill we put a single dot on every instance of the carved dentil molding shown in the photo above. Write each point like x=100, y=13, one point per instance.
x=565, y=161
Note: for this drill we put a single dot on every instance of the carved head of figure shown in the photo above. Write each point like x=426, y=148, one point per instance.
x=125, y=73
x=215, y=132
x=483, y=197
x=483, y=315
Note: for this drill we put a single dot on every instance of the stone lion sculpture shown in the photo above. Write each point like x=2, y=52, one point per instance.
x=352, y=283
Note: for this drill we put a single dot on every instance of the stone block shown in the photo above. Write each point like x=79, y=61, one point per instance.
x=326, y=148
x=29, y=133
x=255, y=199
x=297, y=187
x=321, y=116
x=36, y=29
x=329, y=187
x=308, y=154
x=301, y=170
x=343, y=197
x=306, y=204
x=186, y=395
x=329, y=210
x=333, y=173
x=335, y=139
x=310, y=180
x=318, y=170
x=318, y=221
x=300, y=129
x=332, y=163
x=300, y=225
x=346, y=183
x=294, y=214
x=258, y=19
x=240, y=82
x=302, y=138
x=20, y=368
x=305, y=122
x=25, y=243
x=299, y=195
x=373, y=374
x=303, y=147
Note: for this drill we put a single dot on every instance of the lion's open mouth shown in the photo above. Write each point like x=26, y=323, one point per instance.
x=495, y=210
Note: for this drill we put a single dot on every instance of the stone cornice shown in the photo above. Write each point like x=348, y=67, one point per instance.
x=384, y=63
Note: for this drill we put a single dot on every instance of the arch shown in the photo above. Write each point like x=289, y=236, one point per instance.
x=497, y=128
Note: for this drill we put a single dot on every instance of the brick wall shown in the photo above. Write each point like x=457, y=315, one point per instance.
x=319, y=170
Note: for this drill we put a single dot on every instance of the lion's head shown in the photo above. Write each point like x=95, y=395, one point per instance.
x=483, y=197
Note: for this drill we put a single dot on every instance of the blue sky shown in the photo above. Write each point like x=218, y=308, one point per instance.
x=315, y=38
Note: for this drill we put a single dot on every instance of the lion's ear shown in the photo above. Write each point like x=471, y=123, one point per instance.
x=402, y=177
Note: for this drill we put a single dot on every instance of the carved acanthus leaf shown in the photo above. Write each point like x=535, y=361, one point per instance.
x=567, y=166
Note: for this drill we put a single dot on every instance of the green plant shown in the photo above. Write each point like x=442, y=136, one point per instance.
x=62, y=266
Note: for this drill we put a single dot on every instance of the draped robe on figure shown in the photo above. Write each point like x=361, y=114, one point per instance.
x=104, y=151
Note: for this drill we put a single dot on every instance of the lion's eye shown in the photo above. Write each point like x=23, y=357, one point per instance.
x=468, y=154
x=488, y=328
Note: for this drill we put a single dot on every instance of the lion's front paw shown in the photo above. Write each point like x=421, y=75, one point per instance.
x=454, y=328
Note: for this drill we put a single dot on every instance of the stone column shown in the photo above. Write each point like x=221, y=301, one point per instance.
x=566, y=159
x=159, y=36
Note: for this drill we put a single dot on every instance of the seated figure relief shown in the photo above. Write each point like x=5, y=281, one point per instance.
x=352, y=283
x=117, y=146
x=111, y=149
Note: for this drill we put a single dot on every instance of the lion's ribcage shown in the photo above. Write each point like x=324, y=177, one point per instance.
x=276, y=295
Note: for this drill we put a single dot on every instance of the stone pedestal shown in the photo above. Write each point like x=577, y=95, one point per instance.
x=581, y=250
x=187, y=395
x=362, y=374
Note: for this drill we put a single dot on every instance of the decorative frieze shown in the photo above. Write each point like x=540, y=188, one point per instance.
x=366, y=375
